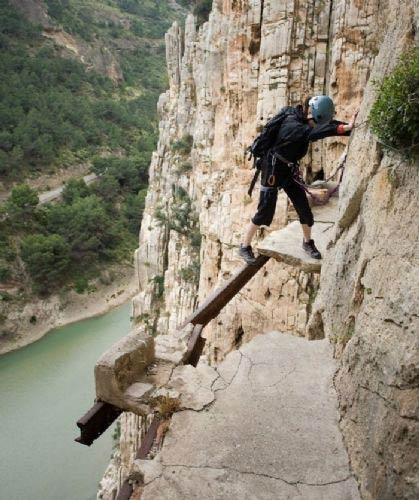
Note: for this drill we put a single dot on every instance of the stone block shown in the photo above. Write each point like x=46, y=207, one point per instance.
x=172, y=348
x=120, y=374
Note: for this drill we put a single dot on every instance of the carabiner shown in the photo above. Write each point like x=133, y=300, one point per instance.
x=271, y=180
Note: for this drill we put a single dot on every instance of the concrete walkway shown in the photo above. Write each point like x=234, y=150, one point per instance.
x=269, y=430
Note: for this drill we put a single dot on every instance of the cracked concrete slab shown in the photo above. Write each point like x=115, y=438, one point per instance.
x=193, y=385
x=271, y=433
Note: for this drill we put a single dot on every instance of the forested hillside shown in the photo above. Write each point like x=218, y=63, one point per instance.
x=80, y=83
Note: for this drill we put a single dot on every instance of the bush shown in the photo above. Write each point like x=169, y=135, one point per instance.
x=394, y=117
x=5, y=274
x=75, y=188
x=184, y=145
x=202, y=11
x=190, y=274
x=81, y=284
x=47, y=259
x=21, y=206
x=159, y=283
x=184, y=168
x=23, y=199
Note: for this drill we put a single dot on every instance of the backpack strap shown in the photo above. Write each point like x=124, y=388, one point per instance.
x=257, y=164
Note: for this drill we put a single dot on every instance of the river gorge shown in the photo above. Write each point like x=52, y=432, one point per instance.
x=45, y=388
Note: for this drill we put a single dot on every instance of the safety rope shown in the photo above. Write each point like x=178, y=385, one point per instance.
x=330, y=192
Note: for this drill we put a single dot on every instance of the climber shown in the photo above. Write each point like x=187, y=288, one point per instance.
x=298, y=127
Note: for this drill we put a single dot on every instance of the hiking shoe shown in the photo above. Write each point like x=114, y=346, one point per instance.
x=247, y=254
x=311, y=249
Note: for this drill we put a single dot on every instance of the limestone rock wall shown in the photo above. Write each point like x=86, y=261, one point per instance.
x=227, y=77
x=368, y=300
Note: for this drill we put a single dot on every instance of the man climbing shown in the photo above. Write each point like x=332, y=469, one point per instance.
x=298, y=127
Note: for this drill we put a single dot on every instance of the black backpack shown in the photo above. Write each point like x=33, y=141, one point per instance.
x=265, y=141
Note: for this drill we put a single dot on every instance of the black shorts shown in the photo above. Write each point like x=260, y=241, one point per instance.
x=283, y=178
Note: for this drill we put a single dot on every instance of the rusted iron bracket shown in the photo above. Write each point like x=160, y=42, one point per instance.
x=149, y=438
x=221, y=297
x=95, y=422
x=126, y=491
x=196, y=345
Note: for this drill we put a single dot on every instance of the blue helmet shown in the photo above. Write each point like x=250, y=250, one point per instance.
x=322, y=108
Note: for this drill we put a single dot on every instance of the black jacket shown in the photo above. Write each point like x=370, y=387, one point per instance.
x=295, y=134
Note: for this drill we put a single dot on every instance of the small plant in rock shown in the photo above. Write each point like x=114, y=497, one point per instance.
x=116, y=435
x=202, y=11
x=344, y=337
x=147, y=322
x=183, y=145
x=159, y=282
x=394, y=117
x=190, y=274
x=184, y=168
x=166, y=405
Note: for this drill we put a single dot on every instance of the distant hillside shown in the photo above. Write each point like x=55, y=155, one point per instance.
x=80, y=83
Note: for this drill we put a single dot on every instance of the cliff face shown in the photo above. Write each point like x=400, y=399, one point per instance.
x=368, y=296
x=250, y=59
x=226, y=78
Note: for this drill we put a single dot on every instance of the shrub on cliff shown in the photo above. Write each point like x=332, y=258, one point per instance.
x=394, y=117
x=202, y=10
x=183, y=145
x=47, y=259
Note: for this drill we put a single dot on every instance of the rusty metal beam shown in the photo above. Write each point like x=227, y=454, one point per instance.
x=196, y=345
x=221, y=297
x=126, y=491
x=95, y=422
x=149, y=438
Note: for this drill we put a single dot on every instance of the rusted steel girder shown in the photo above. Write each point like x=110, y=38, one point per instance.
x=95, y=422
x=150, y=436
x=196, y=345
x=221, y=297
x=126, y=491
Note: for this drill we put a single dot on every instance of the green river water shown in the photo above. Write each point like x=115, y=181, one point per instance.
x=44, y=389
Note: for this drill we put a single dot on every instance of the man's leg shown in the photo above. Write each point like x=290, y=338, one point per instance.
x=249, y=234
x=306, y=231
x=264, y=215
x=298, y=198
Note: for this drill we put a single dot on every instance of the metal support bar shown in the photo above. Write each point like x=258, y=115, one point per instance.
x=196, y=345
x=96, y=421
x=149, y=438
x=221, y=297
x=126, y=491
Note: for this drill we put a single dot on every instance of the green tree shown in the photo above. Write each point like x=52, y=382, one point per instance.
x=202, y=10
x=21, y=205
x=86, y=225
x=74, y=189
x=133, y=209
x=47, y=259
